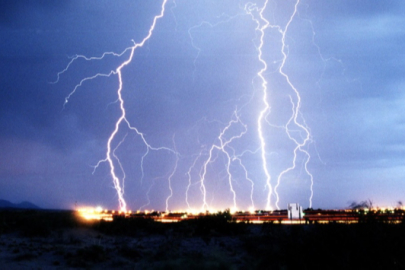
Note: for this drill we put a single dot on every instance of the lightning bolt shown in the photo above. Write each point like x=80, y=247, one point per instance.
x=169, y=180
x=252, y=184
x=110, y=156
x=224, y=147
x=262, y=24
x=294, y=117
x=230, y=131
x=211, y=25
x=190, y=182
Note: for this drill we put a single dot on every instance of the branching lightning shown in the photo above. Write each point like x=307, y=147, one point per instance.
x=226, y=19
x=170, y=178
x=122, y=119
x=224, y=147
x=252, y=184
x=294, y=118
x=262, y=25
x=227, y=135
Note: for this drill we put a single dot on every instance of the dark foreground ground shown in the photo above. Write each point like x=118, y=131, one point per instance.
x=38, y=239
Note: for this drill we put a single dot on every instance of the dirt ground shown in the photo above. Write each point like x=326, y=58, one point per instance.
x=57, y=240
x=87, y=248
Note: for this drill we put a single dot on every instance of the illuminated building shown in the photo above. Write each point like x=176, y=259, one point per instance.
x=294, y=211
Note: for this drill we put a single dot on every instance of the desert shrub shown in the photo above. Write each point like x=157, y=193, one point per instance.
x=84, y=256
x=186, y=263
x=166, y=251
x=328, y=246
x=216, y=259
x=36, y=222
x=25, y=257
x=129, y=252
x=220, y=223
x=36, y=228
x=93, y=253
x=129, y=226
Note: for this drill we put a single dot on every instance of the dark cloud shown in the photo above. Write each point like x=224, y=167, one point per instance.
x=14, y=14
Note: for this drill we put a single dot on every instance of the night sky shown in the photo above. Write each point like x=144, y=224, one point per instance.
x=193, y=91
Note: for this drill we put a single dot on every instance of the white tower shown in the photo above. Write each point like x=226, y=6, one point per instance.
x=294, y=211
